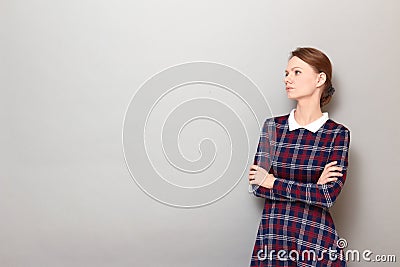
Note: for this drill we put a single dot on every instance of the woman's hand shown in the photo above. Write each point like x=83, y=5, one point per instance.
x=330, y=173
x=261, y=177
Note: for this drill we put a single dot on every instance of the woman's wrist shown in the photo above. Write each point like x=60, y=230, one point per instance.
x=269, y=181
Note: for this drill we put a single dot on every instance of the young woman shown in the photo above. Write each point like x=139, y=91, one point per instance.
x=300, y=168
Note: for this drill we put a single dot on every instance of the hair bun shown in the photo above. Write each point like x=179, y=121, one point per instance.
x=331, y=90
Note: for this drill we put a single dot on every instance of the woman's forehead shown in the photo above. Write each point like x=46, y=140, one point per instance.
x=296, y=62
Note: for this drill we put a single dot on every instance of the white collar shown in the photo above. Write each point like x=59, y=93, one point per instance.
x=313, y=126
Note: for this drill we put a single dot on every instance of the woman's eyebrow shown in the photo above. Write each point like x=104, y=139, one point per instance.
x=293, y=68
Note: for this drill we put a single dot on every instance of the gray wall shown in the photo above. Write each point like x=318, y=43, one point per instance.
x=68, y=70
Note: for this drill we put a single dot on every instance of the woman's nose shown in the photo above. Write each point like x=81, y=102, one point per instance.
x=287, y=79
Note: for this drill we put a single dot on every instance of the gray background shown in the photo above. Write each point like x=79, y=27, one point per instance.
x=68, y=70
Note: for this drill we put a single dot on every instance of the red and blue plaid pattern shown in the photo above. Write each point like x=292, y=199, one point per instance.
x=296, y=214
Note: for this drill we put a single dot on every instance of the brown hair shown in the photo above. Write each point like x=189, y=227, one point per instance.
x=320, y=63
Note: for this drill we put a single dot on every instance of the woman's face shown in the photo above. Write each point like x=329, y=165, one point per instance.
x=301, y=80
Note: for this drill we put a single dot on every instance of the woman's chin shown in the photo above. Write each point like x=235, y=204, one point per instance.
x=290, y=96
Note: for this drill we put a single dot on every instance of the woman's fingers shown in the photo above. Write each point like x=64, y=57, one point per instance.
x=335, y=168
x=254, y=167
x=253, y=182
x=331, y=180
x=331, y=163
x=327, y=180
x=257, y=168
x=257, y=174
x=252, y=172
x=330, y=174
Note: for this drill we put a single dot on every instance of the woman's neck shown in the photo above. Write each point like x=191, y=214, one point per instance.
x=307, y=112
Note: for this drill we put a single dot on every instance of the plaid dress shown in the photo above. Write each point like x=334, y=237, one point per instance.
x=296, y=228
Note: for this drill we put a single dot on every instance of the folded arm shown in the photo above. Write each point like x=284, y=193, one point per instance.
x=323, y=195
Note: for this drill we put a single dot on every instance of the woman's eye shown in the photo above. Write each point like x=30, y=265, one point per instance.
x=297, y=72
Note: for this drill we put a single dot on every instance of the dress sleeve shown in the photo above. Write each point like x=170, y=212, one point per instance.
x=316, y=194
x=263, y=158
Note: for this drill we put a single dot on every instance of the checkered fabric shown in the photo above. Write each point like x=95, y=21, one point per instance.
x=296, y=221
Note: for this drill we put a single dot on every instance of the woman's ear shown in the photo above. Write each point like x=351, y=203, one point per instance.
x=321, y=79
